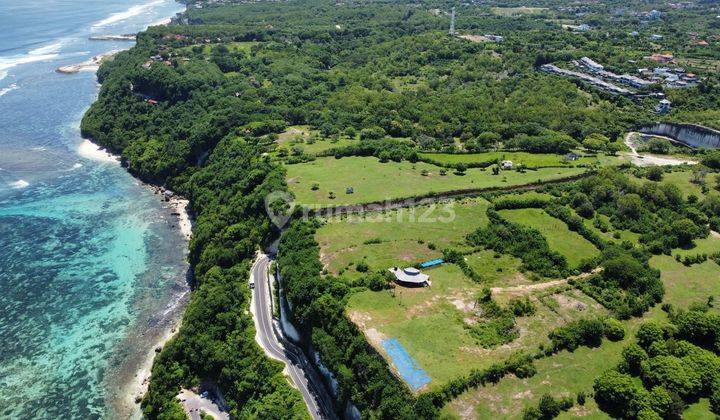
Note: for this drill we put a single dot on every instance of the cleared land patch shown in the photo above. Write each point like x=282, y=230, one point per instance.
x=561, y=239
x=374, y=181
x=432, y=322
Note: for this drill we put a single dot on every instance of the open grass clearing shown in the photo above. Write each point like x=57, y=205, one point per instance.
x=302, y=137
x=207, y=49
x=562, y=374
x=398, y=237
x=708, y=246
x=682, y=178
x=373, y=181
x=561, y=239
x=529, y=160
x=497, y=269
x=687, y=285
x=430, y=322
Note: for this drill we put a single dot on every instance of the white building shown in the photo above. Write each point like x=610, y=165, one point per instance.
x=663, y=107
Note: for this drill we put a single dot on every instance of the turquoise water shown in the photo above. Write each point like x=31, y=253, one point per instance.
x=407, y=367
x=92, y=266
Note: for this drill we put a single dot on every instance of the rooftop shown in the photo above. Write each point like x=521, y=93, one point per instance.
x=410, y=275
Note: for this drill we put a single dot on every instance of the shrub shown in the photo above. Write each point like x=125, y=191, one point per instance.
x=619, y=395
x=585, y=332
x=362, y=267
x=634, y=356
x=654, y=173
x=650, y=332
x=522, y=306
x=614, y=329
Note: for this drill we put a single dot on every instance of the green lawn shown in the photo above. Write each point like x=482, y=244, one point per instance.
x=497, y=270
x=231, y=46
x=309, y=140
x=530, y=160
x=687, y=285
x=401, y=236
x=374, y=181
x=568, y=373
x=708, y=246
x=561, y=239
x=699, y=411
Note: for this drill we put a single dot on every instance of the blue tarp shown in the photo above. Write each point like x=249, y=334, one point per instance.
x=432, y=263
x=408, y=368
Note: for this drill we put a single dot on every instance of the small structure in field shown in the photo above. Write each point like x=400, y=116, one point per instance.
x=432, y=263
x=506, y=164
x=410, y=277
x=571, y=157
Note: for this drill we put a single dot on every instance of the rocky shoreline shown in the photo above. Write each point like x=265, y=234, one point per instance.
x=92, y=64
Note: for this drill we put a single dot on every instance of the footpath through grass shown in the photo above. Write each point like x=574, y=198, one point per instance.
x=373, y=181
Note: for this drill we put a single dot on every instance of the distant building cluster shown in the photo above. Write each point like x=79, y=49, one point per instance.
x=675, y=77
x=599, y=70
x=592, y=80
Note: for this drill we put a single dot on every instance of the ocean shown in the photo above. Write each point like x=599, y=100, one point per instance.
x=92, y=263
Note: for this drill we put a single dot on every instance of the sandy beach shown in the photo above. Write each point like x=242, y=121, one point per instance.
x=92, y=151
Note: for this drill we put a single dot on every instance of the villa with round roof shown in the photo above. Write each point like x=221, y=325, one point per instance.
x=410, y=276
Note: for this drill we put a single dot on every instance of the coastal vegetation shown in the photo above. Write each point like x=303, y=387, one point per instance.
x=351, y=104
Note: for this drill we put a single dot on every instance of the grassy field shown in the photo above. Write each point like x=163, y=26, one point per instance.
x=687, y=285
x=568, y=373
x=624, y=235
x=398, y=237
x=375, y=181
x=309, y=141
x=682, y=180
x=530, y=160
x=708, y=246
x=497, y=269
x=560, y=375
x=430, y=322
x=561, y=239
x=231, y=46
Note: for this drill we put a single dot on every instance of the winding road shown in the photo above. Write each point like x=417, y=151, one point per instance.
x=269, y=336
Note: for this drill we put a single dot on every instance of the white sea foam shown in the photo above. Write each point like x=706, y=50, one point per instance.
x=20, y=183
x=47, y=49
x=120, y=16
x=161, y=22
x=6, y=63
x=92, y=151
x=8, y=89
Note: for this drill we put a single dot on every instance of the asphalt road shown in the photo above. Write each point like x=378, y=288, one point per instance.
x=302, y=374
